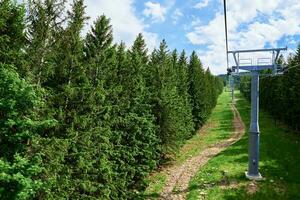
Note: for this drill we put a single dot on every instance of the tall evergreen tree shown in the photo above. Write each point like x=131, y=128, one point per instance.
x=196, y=89
x=291, y=91
x=141, y=120
x=20, y=105
x=100, y=56
x=166, y=102
x=181, y=70
x=118, y=112
x=210, y=90
x=45, y=18
x=68, y=105
x=21, y=126
x=182, y=74
x=135, y=143
x=98, y=49
x=12, y=37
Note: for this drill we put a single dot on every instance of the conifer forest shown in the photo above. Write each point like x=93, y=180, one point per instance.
x=85, y=117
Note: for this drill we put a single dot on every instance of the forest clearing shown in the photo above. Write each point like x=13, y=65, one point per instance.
x=127, y=99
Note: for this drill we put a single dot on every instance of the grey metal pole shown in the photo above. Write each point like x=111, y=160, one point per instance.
x=253, y=172
x=232, y=90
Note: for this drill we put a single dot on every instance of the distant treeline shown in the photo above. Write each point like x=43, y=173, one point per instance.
x=280, y=95
x=84, y=118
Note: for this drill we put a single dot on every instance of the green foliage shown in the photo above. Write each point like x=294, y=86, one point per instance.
x=118, y=113
x=44, y=21
x=20, y=112
x=245, y=86
x=12, y=36
x=203, y=89
x=166, y=102
x=20, y=128
x=185, y=107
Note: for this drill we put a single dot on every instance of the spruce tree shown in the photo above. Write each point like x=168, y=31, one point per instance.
x=21, y=127
x=21, y=105
x=210, y=97
x=117, y=112
x=182, y=87
x=100, y=58
x=166, y=103
x=45, y=19
x=141, y=120
x=98, y=48
x=12, y=37
x=182, y=74
x=196, y=89
x=292, y=91
x=68, y=103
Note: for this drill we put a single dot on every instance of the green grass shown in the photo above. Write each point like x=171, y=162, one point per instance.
x=223, y=176
x=217, y=128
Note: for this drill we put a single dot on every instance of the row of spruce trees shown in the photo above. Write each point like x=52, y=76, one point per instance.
x=84, y=118
x=280, y=95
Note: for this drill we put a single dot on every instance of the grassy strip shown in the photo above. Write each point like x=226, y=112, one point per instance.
x=223, y=176
x=217, y=128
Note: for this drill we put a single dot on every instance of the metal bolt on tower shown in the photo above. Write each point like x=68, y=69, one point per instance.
x=253, y=150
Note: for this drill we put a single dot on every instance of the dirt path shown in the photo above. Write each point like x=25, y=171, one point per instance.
x=178, y=177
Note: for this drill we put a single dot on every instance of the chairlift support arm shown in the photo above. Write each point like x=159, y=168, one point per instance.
x=257, y=50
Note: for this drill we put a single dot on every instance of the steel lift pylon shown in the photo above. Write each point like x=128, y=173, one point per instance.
x=261, y=64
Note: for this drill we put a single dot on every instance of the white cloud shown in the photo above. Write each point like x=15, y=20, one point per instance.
x=196, y=22
x=201, y=4
x=195, y=38
x=283, y=20
x=177, y=14
x=156, y=11
x=126, y=25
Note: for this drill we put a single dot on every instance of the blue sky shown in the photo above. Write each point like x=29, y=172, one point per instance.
x=198, y=25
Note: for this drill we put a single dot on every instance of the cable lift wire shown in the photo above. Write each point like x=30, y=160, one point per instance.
x=226, y=38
